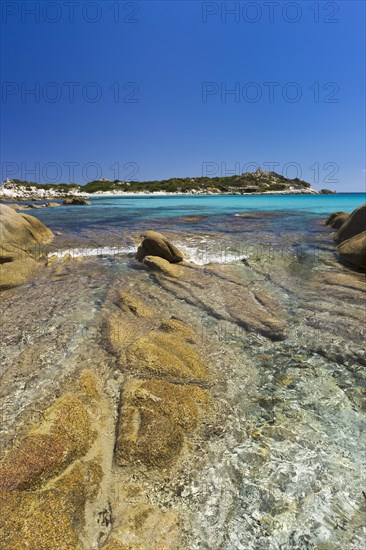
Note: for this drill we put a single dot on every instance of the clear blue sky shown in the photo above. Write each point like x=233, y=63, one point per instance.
x=159, y=73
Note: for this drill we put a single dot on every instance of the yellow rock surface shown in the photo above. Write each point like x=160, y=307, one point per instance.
x=176, y=326
x=168, y=351
x=127, y=302
x=155, y=417
x=43, y=522
x=168, y=355
x=44, y=485
x=20, y=236
x=160, y=264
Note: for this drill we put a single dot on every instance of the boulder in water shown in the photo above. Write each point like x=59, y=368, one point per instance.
x=75, y=201
x=337, y=219
x=353, y=250
x=355, y=224
x=19, y=235
x=155, y=244
x=22, y=230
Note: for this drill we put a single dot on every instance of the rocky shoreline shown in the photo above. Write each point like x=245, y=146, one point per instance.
x=24, y=195
x=143, y=405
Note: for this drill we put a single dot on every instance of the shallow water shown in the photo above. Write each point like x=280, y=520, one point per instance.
x=287, y=472
x=136, y=212
x=282, y=465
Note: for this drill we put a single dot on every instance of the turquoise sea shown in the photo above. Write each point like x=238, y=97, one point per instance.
x=136, y=211
x=208, y=228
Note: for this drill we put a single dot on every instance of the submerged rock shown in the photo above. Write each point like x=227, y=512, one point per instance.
x=15, y=268
x=160, y=353
x=160, y=408
x=155, y=244
x=41, y=455
x=146, y=527
x=37, y=520
x=127, y=302
x=353, y=250
x=45, y=480
x=154, y=419
x=76, y=201
x=225, y=294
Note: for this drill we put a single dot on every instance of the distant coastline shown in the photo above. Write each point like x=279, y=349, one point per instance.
x=259, y=182
x=198, y=193
x=47, y=196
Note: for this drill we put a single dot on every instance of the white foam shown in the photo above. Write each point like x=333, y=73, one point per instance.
x=194, y=255
x=93, y=252
x=204, y=256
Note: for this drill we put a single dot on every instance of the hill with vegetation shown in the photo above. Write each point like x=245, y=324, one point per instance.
x=259, y=181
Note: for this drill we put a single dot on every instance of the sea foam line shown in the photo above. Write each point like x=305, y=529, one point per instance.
x=202, y=256
x=193, y=255
x=92, y=252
